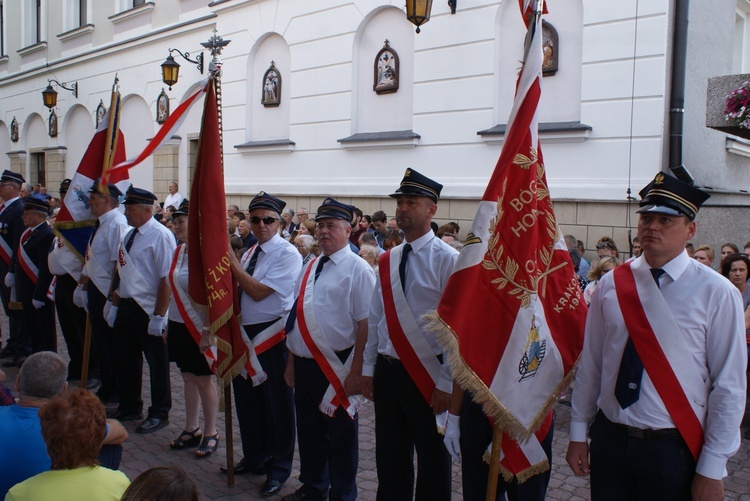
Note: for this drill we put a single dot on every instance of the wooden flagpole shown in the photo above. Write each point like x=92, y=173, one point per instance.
x=497, y=442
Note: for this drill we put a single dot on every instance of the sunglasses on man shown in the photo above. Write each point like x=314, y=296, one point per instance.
x=268, y=220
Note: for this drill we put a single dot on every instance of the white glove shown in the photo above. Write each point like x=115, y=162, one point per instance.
x=80, y=297
x=10, y=280
x=37, y=304
x=156, y=325
x=107, y=307
x=452, y=436
x=111, y=314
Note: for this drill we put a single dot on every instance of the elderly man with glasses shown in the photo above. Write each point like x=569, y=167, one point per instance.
x=265, y=408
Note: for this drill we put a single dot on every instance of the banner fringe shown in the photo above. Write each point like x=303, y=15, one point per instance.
x=481, y=394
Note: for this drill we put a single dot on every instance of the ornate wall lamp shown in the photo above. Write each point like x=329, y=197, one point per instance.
x=49, y=95
x=418, y=11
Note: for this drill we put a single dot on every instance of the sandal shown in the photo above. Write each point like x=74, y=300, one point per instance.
x=186, y=439
x=208, y=446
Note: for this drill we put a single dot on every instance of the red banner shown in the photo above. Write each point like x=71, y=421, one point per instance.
x=210, y=277
x=512, y=312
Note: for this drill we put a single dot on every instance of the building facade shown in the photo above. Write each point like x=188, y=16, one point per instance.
x=338, y=97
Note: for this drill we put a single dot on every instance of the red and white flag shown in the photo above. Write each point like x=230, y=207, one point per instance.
x=210, y=283
x=512, y=314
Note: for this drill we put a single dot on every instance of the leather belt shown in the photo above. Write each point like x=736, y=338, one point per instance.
x=646, y=433
x=396, y=361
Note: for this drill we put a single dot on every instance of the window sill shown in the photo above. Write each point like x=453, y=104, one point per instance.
x=263, y=147
x=131, y=13
x=738, y=146
x=32, y=48
x=552, y=132
x=76, y=32
x=381, y=140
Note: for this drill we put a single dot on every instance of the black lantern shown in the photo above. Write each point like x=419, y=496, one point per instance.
x=418, y=12
x=49, y=95
x=170, y=71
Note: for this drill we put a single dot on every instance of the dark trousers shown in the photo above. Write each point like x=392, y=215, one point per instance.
x=103, y=339
x=19, y=340
x=41, y=325
x=476, y=435
x=265, y=413
x=627, y=468
x=132, y=341
x=110, y=456
x=73, y=325
x=404, y=421
x=328, y=446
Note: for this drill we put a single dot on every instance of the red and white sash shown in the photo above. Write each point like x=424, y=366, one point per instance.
x=407, y=338
x=334, y=370
x=190, y=316
x=658, y=340
x=27, y=265
x=96, y=272
x=5, y=251
x=264, y=340
x=144, y=291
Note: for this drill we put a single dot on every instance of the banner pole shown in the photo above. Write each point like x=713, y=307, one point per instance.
x=497, y=442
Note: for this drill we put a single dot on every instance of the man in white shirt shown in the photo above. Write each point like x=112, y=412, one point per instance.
x=660, y=387
x=326, y=335
x=411, y=280
x=174, y=198
x=265, y=406
x=139, y=309
x=96, y=280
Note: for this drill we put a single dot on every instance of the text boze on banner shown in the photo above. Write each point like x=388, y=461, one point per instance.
x=512, y=314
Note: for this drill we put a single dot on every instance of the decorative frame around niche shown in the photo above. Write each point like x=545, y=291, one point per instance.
x=550, y=49
x=386, y=70
x=14, y=130
x=162, y=107
x=271, y=87
x=100, y=112
x=52, y=123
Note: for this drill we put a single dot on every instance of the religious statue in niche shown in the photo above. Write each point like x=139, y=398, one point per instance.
x=162, y=107
x=100, y=112
x=14, y=130
x=386, y=70
x=550, y=49
x=52, y=124
x=271, y=87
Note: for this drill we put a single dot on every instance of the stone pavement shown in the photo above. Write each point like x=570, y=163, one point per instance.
x=144, y=451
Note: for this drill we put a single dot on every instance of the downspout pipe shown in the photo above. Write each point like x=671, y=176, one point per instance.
x=677, y=94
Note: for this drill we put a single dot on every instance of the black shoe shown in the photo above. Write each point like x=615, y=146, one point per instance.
x=14, y=362
x=242, y=467
x=271, y=487
x=151, y=424
x=123, y=416
x=298, y=495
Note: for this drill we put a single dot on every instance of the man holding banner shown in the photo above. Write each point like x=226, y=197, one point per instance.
x=405, y=371
x=265, y=404
x=660, y=388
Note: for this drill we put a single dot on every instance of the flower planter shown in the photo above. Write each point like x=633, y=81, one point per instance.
x=718, y=89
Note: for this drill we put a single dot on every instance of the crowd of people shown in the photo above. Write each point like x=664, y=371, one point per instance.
x=332, y=312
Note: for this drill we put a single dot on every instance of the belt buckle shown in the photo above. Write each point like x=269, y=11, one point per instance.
x=634, y=432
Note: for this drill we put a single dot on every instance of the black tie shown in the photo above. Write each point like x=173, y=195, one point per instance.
x=323, y=260
x=129, y=243
x=628, y=385
x=253, y=261
x=402, y=266
x=96, y=228
x=293, y=312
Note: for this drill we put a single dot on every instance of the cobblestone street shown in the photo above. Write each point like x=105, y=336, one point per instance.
x=144, y=451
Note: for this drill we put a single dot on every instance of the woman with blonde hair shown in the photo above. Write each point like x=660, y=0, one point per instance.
x=603, y=266
x=704, y=254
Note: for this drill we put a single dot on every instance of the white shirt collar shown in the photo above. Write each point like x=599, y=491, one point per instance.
x=422, y=241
